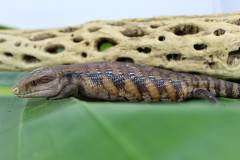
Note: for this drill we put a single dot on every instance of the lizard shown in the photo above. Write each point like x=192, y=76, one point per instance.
x=121, y=81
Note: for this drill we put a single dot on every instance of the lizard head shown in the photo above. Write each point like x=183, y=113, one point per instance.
x=42, y=82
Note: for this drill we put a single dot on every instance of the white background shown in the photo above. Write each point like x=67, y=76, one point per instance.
x=56, y=13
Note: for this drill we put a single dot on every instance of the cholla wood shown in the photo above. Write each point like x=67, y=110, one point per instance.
x=203, y=44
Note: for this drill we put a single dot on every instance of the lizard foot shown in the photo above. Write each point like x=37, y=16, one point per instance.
x=204, y=94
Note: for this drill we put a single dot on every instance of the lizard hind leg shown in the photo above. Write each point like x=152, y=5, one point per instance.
x=204, y=94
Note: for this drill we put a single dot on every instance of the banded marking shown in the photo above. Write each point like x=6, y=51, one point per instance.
x=211, y=86
x=222, y=88
x=185, y=91
x=217, y=87
x=195, y=80
x=173, y=75
x=132, y=92
x=138, y=80
x=118, y=80
x=110, y=87
x=235, y=91
x=140, y=83
x=229, y=88
x=205, y=83
x=152, y=90
x=187, y=79
x=178, y=88
x=92, y=90
x=170, y=90
x=96, y=78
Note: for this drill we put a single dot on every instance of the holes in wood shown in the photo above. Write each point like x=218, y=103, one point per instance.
x=219, y=32
x=210, y=64
x=200, y=46
x=237, y=22
x=133, y=32
x=125, y=59
x=55, y=48
x=174, y=57
x=8, y=54
x=77, y=39
x=2, y=40
x=84, y=54
x=17, y=44
x=66, y=63
x=87, y=43
x=30, y=59
x=154, y=26
x=145, y=50
x=185, y=29
x=161, y=38
x=233, y=56
x=103, y=44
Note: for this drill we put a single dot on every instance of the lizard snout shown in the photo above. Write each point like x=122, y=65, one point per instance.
x=15, y=90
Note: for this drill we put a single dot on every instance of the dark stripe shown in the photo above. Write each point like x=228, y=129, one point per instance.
x=68, y=75
x=217, y=87
x=137, y=80
x=178, y=88
x=168, y=75
x=196, y=81
x=208, y=82
x=159, y=83
x=187, y=79
x=229, y=88
x=140, y=83
x=96, y=78
x=71, y=76
x=204, y=82
x=118, y=80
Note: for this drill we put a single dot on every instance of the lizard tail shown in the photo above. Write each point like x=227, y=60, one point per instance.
x=227, y=89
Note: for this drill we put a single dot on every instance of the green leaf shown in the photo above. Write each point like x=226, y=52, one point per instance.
x=104, y=46
x=37, y=129
x=5, y=27
x=7, y=80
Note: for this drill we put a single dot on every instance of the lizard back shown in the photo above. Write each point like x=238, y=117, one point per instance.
x=131, y=82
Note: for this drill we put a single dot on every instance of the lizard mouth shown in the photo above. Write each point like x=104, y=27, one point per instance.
x=41, y=93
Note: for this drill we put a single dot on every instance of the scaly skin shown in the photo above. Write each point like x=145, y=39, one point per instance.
x=121, y=82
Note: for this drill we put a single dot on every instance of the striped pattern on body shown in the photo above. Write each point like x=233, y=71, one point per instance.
x=131, y=82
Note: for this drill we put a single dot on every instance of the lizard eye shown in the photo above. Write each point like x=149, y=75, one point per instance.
x=33, y=83
x=45, y=79
x=42, y=80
